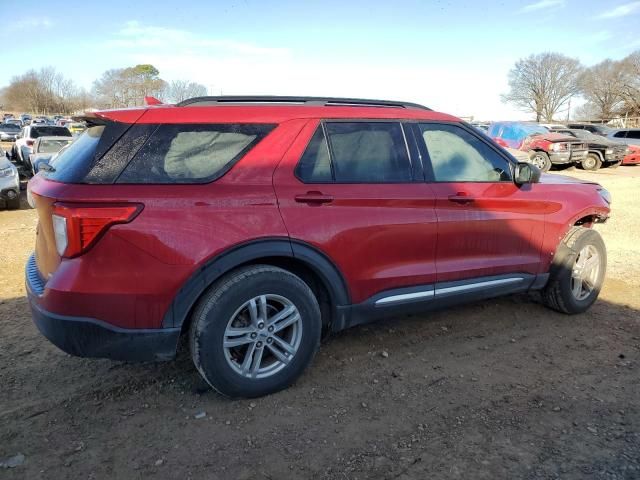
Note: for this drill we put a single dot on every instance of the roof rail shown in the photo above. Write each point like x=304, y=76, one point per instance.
x=309, y=101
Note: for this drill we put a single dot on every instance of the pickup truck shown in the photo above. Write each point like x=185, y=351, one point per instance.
x=545, y=148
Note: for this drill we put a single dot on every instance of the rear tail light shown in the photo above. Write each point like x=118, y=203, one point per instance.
x=78, y=226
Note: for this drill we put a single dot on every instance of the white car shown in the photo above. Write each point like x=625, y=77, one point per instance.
x=9, y=182
x=45, y=148
x=23, y=147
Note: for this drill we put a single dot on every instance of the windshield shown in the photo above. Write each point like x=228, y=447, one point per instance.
x=10, y=127
x=534, y=129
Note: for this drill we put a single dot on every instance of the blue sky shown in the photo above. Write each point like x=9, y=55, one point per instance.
x=452, y=56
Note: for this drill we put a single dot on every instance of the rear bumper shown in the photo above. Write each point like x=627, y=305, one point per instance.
x=85, y=337
x=88, y=337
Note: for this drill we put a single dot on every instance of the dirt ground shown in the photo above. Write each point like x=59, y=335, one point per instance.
x=500, y=389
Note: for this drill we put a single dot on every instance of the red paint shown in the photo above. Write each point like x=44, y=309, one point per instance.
x=632, y=158
x=379, y=236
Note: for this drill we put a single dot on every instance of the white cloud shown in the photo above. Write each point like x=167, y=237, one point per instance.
x=542, y=4
x=135, y=35
x=230, y=67
x=621, y=10
x=26, y=24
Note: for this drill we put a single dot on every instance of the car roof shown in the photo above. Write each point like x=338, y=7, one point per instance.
x=270, y=110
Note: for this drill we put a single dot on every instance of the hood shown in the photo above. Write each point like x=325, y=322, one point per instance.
x=557, y=137
x=554, y=179
x=4, y=162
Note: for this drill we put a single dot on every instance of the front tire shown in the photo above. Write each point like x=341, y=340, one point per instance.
x=255, y=331
x=592, y=162
x=577, y=273
x=541, y=160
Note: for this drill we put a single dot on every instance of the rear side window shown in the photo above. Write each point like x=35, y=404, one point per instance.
x=315, y=164
x=192, y=153
x=369, y=152
x=621, y=134
x=633, y=134
x=356, y=152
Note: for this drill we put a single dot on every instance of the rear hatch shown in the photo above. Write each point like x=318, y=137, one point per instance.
x=59, y=212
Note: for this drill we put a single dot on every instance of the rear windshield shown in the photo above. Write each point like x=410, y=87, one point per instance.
x=191, y=153
x=37, y=132
x=5, y=127
x=52, y=146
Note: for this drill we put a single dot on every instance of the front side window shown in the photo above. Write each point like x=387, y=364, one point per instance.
x=192, y=153
x=458, y=156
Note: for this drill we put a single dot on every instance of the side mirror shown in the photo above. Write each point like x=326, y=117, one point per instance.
x=526, y=173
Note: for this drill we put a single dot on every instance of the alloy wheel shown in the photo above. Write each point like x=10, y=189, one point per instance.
x=586, y=270
x=262, y=336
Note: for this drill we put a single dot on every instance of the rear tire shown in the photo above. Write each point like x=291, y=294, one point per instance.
x=541, y=160
x=592, y=162
x=577, y=272
x=235, y=325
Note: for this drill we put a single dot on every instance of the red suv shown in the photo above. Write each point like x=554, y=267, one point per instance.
x=253, y=224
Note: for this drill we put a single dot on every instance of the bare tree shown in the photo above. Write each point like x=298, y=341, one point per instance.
x=44, y=91
x=631, y=86
x=179, y=90
x=603, y=87
x=543, y=83
x=127, y=87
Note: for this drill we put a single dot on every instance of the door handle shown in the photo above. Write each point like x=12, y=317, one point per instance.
x=462, y=198
x=317, y=198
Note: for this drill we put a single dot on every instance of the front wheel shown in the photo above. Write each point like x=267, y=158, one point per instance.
x=255, y=331
x=541, y=160
x=591, y=162
x=577, y=272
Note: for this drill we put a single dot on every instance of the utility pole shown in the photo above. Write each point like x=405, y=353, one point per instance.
x=569, y=109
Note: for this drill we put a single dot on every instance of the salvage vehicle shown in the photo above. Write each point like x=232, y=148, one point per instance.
x=252, y=225
x=545, y=148
x=596, y=129
x=23, y=146
x=628, y=136
x=9, y=132
x=9, y=182
x=632, y=156
x=602, y=151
